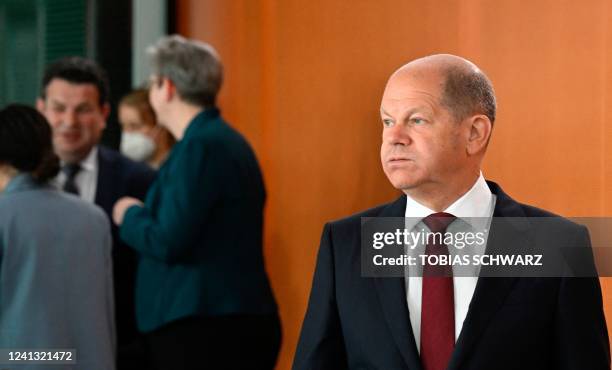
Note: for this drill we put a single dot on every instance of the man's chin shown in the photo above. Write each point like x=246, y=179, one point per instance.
x=405, y=185
x=402, y=179
x=71, y=156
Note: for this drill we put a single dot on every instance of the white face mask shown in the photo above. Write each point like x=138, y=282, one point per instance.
x=137, y=146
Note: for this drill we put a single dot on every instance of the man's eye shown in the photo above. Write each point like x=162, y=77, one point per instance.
x=84, y=110
x=418, y=121
x=387, y=122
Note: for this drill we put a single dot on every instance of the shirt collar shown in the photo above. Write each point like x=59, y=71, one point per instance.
x=477, y=202
x=90, y=162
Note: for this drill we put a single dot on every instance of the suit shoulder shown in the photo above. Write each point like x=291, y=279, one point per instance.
x=138, y=169
x=126, y=165
x=355, y=219
x=559, y=221
x=531, y=211
x=218, y=132
x=53, y=202
x=76, y=205
x=221, y=139
x=108, y=155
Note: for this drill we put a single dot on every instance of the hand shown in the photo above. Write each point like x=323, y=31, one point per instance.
x=121, y=206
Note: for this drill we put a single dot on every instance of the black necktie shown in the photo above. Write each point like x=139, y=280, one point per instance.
x=71, y=170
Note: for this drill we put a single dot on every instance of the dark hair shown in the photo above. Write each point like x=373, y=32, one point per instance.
x=77, y=70
x=25, y=142
x=468, y=91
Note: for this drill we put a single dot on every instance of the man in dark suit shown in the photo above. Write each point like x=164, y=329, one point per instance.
x=74, y=99
x=203, y=295
x=437, y=114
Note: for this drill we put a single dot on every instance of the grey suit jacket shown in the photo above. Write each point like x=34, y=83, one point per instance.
x=55, y=275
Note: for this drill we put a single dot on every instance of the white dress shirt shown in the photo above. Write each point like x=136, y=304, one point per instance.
x=87, y=178
x=477, y=202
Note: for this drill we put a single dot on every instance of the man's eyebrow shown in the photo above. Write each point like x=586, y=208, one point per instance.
x=55, y=102
x=408, y=112
x=84, y=104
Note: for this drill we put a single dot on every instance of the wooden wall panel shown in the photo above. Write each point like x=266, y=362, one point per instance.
x=304, y=81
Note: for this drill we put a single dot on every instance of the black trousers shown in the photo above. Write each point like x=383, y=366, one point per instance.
x=132, y=356
x=232, y=342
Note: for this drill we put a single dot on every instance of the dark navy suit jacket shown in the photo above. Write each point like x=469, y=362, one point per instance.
x=512, y=322
x=119, y=176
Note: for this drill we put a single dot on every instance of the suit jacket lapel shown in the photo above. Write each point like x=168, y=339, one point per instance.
x=392, y=297
x=104, y=186
x=490, y=292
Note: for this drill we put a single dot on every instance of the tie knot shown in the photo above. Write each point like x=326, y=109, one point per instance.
x=71, y=169
x=438, y=222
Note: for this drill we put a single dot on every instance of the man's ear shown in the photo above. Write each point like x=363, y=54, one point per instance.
x=105, y=113
x=40, y=105
x=480, y=128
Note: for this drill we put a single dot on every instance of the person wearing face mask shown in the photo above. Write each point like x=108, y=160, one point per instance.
x=142, y=139
x=56, y=274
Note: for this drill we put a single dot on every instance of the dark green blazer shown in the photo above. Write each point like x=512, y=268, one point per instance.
x=199, y=234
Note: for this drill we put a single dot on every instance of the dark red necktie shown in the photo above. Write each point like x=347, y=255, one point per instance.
x=438, y=302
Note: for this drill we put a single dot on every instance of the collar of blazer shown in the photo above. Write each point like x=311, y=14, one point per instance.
x=488, y=296
x=21, y=182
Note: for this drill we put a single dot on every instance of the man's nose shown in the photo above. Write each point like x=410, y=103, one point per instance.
x=70, y=118
x=397, y=135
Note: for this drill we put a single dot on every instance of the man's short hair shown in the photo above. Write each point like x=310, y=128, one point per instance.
x=468, y=91
x=77, y=70
x=194, y=68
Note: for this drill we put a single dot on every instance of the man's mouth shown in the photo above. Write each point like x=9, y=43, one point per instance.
x=69, y=135
x=399, y=159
